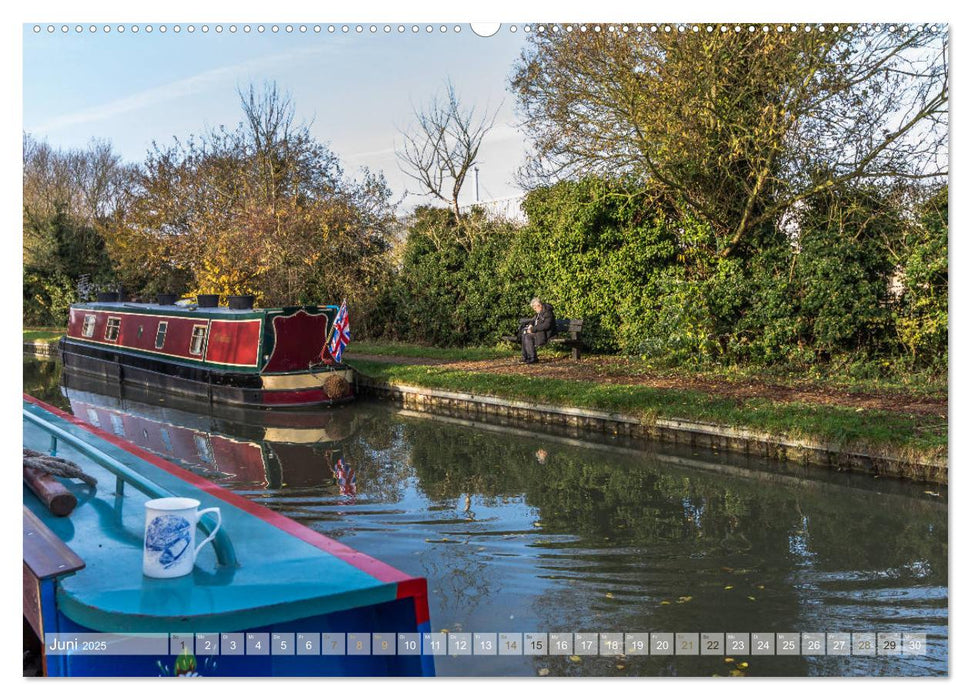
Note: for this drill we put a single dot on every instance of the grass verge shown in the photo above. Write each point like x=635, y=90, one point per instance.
x=42, y=333
x=904, y=436
x=918, y=384
x=409, y=350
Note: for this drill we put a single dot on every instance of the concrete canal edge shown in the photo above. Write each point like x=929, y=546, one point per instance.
x=679, y=432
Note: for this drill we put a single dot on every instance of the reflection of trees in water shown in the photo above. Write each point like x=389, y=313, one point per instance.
x=459, y=580
x=381, y=456
x=42, y=380
x=636, y=501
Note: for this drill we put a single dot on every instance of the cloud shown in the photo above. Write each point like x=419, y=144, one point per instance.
x=171, y=91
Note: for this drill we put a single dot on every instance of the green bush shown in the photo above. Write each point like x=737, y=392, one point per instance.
x=649, y=281
x=47, y=299
x=449, y=291
x=844, y=266
x=921, y=322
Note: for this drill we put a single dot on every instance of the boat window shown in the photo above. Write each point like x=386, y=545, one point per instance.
x=112, y=329
x=87, y=330
x=163, y=326
x=198, y=340
x=93, y=418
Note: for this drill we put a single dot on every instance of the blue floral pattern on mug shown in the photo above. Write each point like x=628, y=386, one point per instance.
x=170, y=535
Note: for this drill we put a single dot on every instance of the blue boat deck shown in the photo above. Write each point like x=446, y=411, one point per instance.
x=284, y=573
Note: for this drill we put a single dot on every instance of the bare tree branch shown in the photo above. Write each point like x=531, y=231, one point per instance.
x=442, y=146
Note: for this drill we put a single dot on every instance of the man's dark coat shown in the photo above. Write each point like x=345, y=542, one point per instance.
x=544, y=325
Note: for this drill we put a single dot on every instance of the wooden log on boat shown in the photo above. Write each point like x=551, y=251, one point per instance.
x=51, y=492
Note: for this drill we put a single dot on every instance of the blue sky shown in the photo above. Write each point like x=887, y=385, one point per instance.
x=357, y=88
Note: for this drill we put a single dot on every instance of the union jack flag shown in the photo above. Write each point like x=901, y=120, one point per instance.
x=341, y=333
x=346, y=478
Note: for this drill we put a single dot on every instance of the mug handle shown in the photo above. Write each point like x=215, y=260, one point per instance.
x=219, y=522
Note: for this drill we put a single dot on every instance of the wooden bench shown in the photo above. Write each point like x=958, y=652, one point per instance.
x=567, y=333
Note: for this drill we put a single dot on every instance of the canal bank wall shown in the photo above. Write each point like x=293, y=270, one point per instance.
x=694, y=434
x=41, y=348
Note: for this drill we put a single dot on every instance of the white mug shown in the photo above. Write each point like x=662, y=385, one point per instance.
x=170, y=534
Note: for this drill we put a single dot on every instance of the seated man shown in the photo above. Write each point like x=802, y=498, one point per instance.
x=538, y=331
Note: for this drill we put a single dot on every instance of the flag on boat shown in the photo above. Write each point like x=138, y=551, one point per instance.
x=341, y=333
x=346, y=478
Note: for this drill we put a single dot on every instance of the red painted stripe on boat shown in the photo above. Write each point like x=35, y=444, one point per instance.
x=378, y=569
x=294, y=397
x=416, y=588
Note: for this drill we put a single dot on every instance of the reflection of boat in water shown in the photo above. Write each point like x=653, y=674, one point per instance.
x=242, y=356
x=293, y=447
x=265, y=580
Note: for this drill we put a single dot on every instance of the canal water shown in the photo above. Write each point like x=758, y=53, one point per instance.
x=521, y=532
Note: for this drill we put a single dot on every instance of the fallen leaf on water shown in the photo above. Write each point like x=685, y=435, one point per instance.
x=760, y=587
x=932, y=493
x=743, y=665
x=735, y=672
x=609, y=595
x=665, y=602
x=538, y=524
x=728, y=569
x=621, y=667
x=543, y=672
x=684, y=599
x=575, y=658
x=729, y=660
x=728, y=588
x=751, y=597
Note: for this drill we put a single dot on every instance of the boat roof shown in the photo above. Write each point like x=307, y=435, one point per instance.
x=193, y=309
x=286, y=571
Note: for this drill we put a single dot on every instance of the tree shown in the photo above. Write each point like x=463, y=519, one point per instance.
x=442, y=146
x=70, y=196
x=737, y=125
x=263, y=208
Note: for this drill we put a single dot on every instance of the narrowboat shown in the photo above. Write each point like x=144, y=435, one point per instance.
x=237, y=355
x=268, y=596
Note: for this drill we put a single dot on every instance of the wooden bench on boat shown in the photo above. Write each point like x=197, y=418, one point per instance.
x=568, y=332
